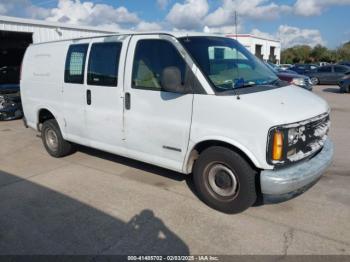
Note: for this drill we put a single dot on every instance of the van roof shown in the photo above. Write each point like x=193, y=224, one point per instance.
x=177, y=34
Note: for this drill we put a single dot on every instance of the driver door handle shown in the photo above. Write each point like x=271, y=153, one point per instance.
x=88, y=97
x=127, y=101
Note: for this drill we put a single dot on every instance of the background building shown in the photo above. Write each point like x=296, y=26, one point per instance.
x=16, y=34
x=265, y=49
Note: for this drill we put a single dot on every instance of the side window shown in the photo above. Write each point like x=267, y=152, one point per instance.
x=75, y=64
x=325, y=69
x=104, y=64
x=340, y=69
x=151, y=58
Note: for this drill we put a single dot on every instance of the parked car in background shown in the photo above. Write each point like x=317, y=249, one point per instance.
x=292, y=77
x=277, y=68
x=10, y=99
x=344, y=84
x=285, y=66
x=323, y=63
x=346, y=63
x=330, y=74
x=303, y=69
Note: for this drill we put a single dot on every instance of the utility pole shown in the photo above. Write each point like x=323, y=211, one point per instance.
x=236, y=25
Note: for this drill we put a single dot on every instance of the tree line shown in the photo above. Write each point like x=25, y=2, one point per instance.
x=319, y=53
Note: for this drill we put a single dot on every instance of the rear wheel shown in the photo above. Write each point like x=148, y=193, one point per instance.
x=53, y=141
x=345, y=89
x=315, y=80
x=224, y=180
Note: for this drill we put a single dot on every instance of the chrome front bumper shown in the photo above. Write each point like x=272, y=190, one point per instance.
x=283, y=184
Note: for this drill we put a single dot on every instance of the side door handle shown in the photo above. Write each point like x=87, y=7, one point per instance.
x=88, y=97
x=127, y=101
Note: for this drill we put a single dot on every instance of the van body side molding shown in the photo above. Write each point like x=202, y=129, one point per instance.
x=172, y=148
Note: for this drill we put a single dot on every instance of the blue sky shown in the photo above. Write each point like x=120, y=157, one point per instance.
x=293, y=21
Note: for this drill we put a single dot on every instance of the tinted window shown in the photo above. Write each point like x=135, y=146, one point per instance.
x=103, y=64
x=75, y=64
x=341, y=69
x=151, y=58
x=325, y=69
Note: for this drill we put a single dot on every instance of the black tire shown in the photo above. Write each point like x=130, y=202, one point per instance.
x=50, y=131
x=245, y=194
x=345, y=89
x=315, y=81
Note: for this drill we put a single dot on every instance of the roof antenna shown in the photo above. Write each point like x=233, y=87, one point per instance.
x=238, y=79
x=236, y=25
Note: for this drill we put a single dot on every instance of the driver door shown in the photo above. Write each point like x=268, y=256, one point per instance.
x=156, y=123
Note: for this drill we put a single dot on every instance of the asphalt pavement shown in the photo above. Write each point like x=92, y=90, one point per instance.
x=96, y=203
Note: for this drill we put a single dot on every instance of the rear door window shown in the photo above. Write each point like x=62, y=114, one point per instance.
x=325, y=69
x=75, y=64
x=341, y=69
x=104, y=64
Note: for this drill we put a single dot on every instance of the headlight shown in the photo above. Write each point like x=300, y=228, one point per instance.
x=294, y=134
x=294, y=142
x=298, y=81
x=283, y=142
x=2, y=101
x=5, y=102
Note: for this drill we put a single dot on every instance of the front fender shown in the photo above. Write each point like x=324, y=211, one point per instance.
x=248, y=153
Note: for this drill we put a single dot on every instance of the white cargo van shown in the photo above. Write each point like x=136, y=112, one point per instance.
x=192, y=103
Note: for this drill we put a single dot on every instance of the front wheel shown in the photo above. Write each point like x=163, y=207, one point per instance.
x=224, y=180
x=315, y=80
x=345, y=89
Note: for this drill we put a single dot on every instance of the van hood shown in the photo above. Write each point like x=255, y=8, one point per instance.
x=285, y=105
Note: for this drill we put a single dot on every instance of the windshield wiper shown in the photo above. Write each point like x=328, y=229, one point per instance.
x=244, y=86
x=230, y=87
x=274, y=82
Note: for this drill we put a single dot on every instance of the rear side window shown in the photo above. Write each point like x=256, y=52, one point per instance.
x=325, y=69
x=104, y=64
x=341, y=69
x=75, y=64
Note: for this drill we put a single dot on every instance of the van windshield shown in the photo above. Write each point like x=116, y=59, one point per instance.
x=227, y=64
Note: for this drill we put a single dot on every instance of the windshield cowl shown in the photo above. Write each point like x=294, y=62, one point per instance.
x=253, y=89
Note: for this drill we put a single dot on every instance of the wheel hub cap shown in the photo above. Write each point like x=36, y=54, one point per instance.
x=222, y=180
x=51, y=139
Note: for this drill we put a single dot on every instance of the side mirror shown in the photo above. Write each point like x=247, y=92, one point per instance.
x=171, y=80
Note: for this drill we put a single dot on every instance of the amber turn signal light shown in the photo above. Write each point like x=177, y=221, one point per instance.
x=277, y=146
